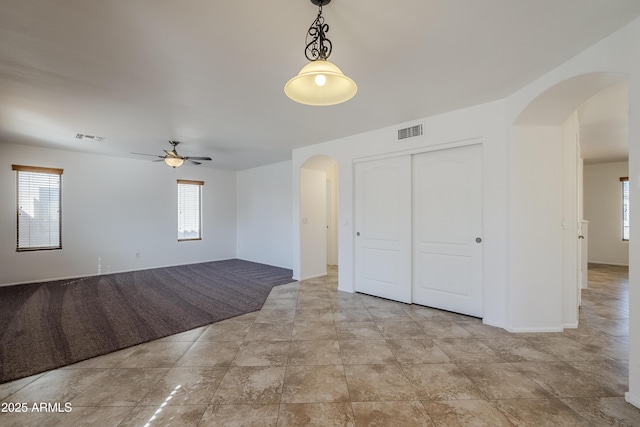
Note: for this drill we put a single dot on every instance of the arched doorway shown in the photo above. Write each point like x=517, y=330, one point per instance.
x=318, y=216
x=546, y=201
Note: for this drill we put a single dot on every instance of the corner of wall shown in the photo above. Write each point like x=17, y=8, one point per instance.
x=632, y=399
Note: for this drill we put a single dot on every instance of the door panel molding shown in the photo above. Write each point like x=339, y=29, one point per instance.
x=447, y=259
x=383, y=228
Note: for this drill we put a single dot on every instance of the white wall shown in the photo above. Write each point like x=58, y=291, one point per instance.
x=535, y=268
x=633, y=396
x=111, y=209
x=570, y=224
x=543, y=245
x=481, y=124
x=313, y=224
x=264, y=214
x=332, y=215
x=603, y=210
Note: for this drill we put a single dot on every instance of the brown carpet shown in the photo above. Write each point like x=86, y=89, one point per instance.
x=48, y=325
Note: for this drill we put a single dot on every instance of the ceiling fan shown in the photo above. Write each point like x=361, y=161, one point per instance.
x=173, y=159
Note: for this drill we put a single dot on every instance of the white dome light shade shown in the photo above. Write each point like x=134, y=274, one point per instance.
x=320, y=83
x=174, y=162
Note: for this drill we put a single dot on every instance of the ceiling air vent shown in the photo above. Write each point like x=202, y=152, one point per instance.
x=90, y=137
x=409, y=132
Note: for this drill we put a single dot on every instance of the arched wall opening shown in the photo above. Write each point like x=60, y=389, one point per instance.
x=545, y=202
x=318, y=216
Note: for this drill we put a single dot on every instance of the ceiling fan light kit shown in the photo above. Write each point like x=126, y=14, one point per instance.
x=173, y=159
x=320, y=82
x=174, y=162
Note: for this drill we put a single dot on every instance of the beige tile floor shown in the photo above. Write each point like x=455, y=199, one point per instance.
x=317, y=357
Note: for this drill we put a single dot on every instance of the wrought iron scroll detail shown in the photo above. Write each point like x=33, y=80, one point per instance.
x=318, y=45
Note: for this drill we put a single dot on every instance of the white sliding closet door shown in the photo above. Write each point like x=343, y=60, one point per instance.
x=447, y=230
x=383, y=228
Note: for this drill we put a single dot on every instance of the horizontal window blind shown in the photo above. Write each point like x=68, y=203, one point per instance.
x=189, y=209
x=38, y=208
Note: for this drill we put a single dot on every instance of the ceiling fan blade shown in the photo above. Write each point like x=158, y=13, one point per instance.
x=197, y=158
x=143, y=154
x=161, y=159
x=194, y=162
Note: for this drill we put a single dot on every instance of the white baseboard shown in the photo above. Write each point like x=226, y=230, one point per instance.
x=534, y=330
x=573, y=325
x=494, y=324
x=609, y=263
x=265, y=263
x=313, y=277
x=524, y=330
x=148, y=267
x=634, y=400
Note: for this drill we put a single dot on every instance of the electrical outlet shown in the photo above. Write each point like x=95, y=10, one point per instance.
x=137, y=255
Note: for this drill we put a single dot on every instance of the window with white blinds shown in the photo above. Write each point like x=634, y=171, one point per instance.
x=39, y=217
x=625, y=208
x=189, y=210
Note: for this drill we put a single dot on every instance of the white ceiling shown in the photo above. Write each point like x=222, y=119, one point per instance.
x=211, y=73
x=604, y=125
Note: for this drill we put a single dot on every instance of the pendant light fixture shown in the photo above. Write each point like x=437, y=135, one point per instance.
x=320, y=82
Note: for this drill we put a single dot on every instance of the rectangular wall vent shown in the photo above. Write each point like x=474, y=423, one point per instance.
x=410, y=132
x=90, y=137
